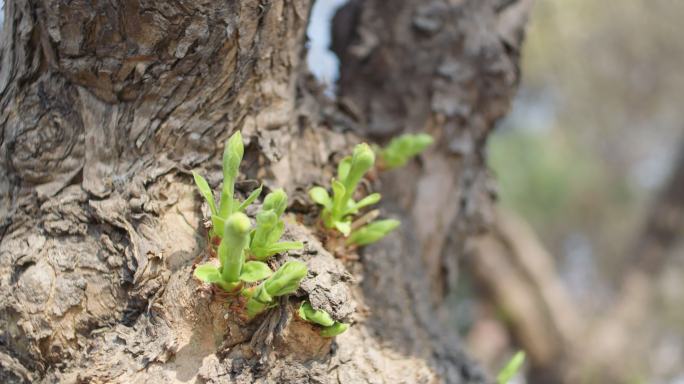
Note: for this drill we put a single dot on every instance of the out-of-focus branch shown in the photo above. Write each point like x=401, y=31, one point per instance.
x=521, y=278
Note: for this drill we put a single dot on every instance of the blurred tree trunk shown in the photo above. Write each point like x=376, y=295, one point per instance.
x=106, y=106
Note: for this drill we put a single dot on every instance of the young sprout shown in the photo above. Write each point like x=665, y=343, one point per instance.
x=337, y=211
x=320, y=317
x=398, y=152
x=237, y=237
x=283, y=282
x=372, y=232
x=270, y=228
x=232, y=156
x=231, y=254
x=511, y=368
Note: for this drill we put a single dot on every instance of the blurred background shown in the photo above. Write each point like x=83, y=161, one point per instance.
x=591, y=157
x=590, y=173
x=595, y=130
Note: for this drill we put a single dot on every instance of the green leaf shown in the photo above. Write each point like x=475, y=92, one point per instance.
x=320, y=196
x=343, y=226
x=349, y=171
x=286, y=279
x=232, y=156
x=250, y=199
x=334, y=329
x=207, y=273
x=274, y=249
x=511, y=368
x=276, y=232
x=254, y=271
x=270, y=227
x=401, y=149
x=218, y=224
x=205, y=190
x=343, y=168
x=276, y=201
x=259, y=301
x=339, y=202
x=285, y=246
x=371, y=199
x=265, y=222
x=362, y=161
x=316, y=316
x=372, y=232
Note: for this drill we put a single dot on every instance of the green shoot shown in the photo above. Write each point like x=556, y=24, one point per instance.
x=231, y=254
x=337, y=211
x=401, y=149
x=372, y=232
x=317, y=316
x=511, y=368
x=237, y=237
x=269, y=228
x=283, y=282
x=231, y=250
x=232, y=156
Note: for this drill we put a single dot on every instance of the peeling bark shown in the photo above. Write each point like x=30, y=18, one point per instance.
x=106, y=107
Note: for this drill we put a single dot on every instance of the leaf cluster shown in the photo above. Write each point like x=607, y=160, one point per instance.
x=339, y=210
x=239, y=240
x=283, y=282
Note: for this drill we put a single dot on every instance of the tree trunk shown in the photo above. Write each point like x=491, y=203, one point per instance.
x=106, y=106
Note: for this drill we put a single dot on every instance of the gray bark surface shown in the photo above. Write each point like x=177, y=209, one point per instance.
x=107, y=106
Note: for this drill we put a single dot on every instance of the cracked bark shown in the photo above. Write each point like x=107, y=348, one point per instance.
x=106, y=106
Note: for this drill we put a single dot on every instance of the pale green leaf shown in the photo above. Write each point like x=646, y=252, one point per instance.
x=232, y=156
x=372, y=232
x=401, y=149
x=316, y=316
x=205, y=190
x=371, y=199
x=276, y=201
x=343, y=168
x=511, y=368
x=253, y=271
x=339, y=201
x=343, y=226
x=334, y=329
x=320, y=196
x=218, y=223
x=207, y=273
x=362, y=161
x=286, y=279
x=250, y=199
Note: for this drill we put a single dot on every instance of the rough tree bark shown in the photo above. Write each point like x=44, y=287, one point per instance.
x=106, y=106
